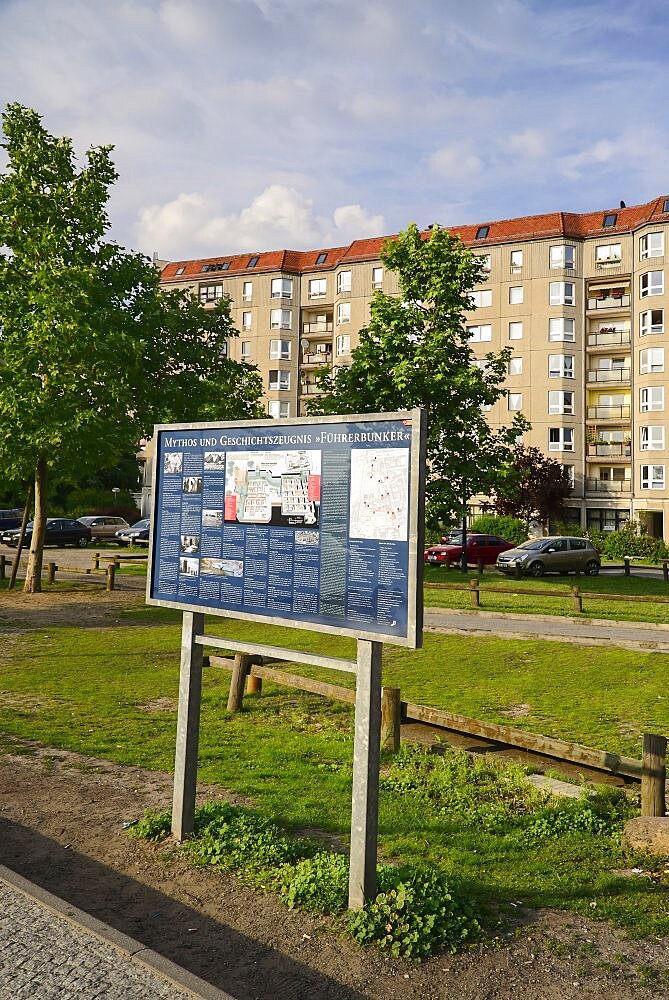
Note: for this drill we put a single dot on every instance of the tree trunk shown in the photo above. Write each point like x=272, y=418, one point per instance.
x=19, y=547
x=33, y=583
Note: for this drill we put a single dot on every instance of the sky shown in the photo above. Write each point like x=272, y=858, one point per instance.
x=243, y=125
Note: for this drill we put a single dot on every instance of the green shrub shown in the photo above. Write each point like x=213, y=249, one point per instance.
x=510, y=528
x=417, y=914
x=603, y=814
x=631, y=540
x=318, y=884
x=153, y=825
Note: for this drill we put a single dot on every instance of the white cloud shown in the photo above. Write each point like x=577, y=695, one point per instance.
x=456, y=162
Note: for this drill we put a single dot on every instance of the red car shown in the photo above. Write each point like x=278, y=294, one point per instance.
x=485, y=547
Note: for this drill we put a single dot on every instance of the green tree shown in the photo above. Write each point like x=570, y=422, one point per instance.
x=92, y=351
x=415, y=351
x=535, y=488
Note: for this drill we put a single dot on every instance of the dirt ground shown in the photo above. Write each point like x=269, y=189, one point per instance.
x=61, y=825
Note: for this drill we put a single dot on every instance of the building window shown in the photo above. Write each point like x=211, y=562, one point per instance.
x=651, y=283
x=343, y=313
x=651, y=398
x=606, y=518
x=247, y=291
x=253, y=261
x=485, y=261
x=280, y=319
x=279, y=380
x=282, y=288
x=246, y=350
x=609, y=253
x=561, y=365
x=561, y=329
x=516, y=261
x=561, y=439
x=317, y=288
x=322, y=257
x=651, y=437
x=344, y=281
x=216, y=267
x=481, y=299
x=569, y=469
x=560, y=402
x=651, y=321
x=515, y=331
x=279, y=350
x=482, y=232
x=479, y=333
x=343, y=344
x=651, y=245
x=652, y=477
x=180, y=270
x=515, y=400
x=515, y=295
x=651, y=360
x=377, y=277
x=277, y=408
x=610, y=220
x=561, y=293
x=515, y=366
x=562, y=256
x=211, y=293
x=246, y=320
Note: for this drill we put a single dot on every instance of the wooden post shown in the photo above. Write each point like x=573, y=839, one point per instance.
x=653, y=775
x=626, y=560
x=51, y=572
x=480, y=567
x=366, y=755
x=239, y=672
x=665, y=571
x=253, y=685
x=447, y=563
x=390, y=718
x=188, y=726
x=518, y=573
x=577, y=599
x=2, y=565
x=96, y=564
x=111, y=573
x=475, y=595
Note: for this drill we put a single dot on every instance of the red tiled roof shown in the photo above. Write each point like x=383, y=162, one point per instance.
x=528, y=227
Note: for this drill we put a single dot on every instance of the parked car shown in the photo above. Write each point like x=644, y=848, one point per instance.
x=104, y=526
x=59, y=531
x=557, y=554
x=138, y=534
x=479, y=547
x=452, y=537
x=10, y=518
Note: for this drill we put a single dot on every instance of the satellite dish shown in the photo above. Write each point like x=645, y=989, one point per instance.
x=304, y=343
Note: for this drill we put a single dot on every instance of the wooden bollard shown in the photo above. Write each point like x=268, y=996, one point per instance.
x=654, y=775
x=390, y=718
x=665, y=571
x=111, y=574
x=626, y=560
x=2, y=565
x=577, y=599
x=476, y=597
x=480, y=567
x=51, y=572
x=253, y=684
x=447, y=563
x=96, y=564
x=239, y=672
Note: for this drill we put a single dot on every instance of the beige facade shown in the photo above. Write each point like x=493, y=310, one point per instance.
x=581, y=300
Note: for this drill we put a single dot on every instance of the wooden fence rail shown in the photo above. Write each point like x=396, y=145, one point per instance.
x=575, y=595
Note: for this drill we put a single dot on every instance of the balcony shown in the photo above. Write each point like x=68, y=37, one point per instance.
x=309, y=388
x=314, y=329
x=317, y=359
x=609, y=374
x=609, y=298
x=608, y=262
x=609, y=449
x=622, y=412
x=609, y=338
x=608, y=485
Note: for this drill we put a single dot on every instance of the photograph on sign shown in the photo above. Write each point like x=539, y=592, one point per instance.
x=313, y=522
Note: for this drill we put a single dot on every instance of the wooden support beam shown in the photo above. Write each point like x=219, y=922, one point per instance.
x=237, y=682
x=654, y=775
x=391, y=710
x=188, y=727
x=366, y=756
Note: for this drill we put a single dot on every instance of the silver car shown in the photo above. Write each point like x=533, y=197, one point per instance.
x=103, y=525
x=556, y=554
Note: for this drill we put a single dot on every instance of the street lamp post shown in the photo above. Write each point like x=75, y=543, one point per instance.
x=115, y=490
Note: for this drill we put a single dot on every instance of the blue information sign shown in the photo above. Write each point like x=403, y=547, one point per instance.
x=312, y=522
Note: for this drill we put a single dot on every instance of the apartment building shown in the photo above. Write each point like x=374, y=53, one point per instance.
x=581, y=300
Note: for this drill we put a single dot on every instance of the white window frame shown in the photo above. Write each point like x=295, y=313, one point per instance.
x=480, y=333
x=562, y=293
x=561, y=365
x=562, y=329
x=651, y=399
x=651, y=359
x=485, y=260
x=344, y=281
x=516, y=261
x=280, y=350
x=652, y=477
x=515, y=366
x=281, y=319
x=515, y=401
x=210, y=293
x=563, y=438
x=562, y=256
x=377, y=277
x=651, y=245
x=247, y=320
x=651, y=283
x=247, y=291
x=278, y=408
x=646, y=324
x=651, y=437
x=516, y=295
x=318, y=288
x=482, y=298
x=516, y=330
x=343, y=313
x=245, y=350
x=557, y=401
x=343, y=344
x=613, y=253
x=571, y=472
x=279, y=380
x=282, y=288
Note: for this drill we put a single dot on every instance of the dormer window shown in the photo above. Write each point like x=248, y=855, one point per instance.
x=180, y=270
x=253, y=261
x=665, y=206
x=322, y=257
x=610, y=220
x=223, y=266
x=482, y=232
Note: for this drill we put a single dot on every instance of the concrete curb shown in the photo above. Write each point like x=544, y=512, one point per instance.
x=512, y=616
x=129, y=948
x=640, y=647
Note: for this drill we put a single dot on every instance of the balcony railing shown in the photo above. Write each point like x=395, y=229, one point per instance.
x=608, y=338
x=608, y=485
x=609, y=301
x=309, y=389
x=319, y=358
x=609, y=374
x=621, y=412
x=612, y=449
x=313, y=328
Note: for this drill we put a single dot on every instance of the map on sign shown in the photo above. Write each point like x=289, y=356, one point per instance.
x=277, y=487
x=379, y=505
